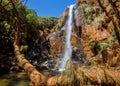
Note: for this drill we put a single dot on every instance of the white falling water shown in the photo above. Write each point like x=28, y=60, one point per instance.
x=68, y=47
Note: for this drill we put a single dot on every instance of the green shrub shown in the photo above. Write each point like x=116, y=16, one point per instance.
x=91, y=13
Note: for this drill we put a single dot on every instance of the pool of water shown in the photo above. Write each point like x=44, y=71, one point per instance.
x=14, y=79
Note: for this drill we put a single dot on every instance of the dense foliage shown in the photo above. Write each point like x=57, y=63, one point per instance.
x=29, y=21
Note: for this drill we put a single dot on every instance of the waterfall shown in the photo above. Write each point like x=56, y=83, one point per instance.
x=32, y=50
x=68, y=47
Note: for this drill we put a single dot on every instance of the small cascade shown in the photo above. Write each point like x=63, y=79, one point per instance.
x=33, y=48
x=68, y=47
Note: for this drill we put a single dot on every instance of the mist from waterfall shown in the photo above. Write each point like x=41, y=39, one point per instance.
x=68, y=47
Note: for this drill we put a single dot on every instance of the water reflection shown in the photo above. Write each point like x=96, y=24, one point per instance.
x=14, y=79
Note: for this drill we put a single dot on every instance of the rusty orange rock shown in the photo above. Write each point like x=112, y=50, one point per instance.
x=95, y=34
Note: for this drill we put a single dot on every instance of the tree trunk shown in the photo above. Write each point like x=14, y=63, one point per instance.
x=86, y=77
x=36, y=78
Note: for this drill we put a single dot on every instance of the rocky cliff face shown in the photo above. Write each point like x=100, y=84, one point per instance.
x=89, y=36
x=92, y=34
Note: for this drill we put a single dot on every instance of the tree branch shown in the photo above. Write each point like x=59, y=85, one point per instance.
x=36, y=78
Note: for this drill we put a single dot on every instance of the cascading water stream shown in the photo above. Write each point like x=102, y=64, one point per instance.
x=68, y=47
x=33, y=48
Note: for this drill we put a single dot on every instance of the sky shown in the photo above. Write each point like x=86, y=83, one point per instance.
x=49, y=7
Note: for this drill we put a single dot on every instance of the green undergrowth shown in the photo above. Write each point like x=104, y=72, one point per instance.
x=99, y=45
x=92, y=14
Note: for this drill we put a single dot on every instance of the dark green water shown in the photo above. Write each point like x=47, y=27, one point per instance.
x=14, y=79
